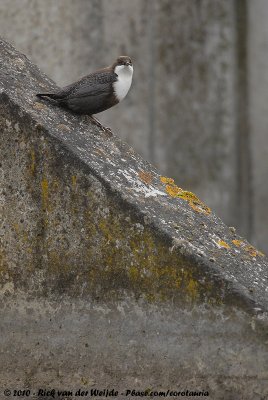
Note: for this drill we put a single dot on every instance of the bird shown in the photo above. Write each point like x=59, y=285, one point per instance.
x=97, y=91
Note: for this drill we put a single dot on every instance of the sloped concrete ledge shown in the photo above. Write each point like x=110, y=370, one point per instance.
x=134, y=281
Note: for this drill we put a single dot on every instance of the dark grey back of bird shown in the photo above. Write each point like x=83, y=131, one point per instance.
x=90, y=95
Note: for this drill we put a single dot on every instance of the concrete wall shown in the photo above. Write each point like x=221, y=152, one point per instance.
x=258, y=81
x=188, y=109
x=111, y=275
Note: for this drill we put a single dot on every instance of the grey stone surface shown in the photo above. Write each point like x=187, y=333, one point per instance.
x=131, y=345
x=63, y=37
x=110, y=274
x=258, y=81
x=182, y=111
x=195, y=124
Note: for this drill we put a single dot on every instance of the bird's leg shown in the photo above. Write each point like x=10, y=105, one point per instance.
x=96, y=122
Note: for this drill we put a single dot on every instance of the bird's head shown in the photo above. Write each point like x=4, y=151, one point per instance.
x=123, y=64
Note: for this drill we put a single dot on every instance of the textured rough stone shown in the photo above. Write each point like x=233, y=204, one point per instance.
x=194, y=86
x=258, y=64
x=195, y=99
x=110, y=273
x=183, y=97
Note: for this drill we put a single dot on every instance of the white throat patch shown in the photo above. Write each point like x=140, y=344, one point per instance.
x=123, y=83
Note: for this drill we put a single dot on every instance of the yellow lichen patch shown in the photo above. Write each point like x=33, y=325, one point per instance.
x=44, y=187
x=192, y=289
x=173, y=190
x=150, y=297
x=134, y=273
x=152, y=270
x=145, y=177
x=166, y=180
x=222, y=243
x=74, y=181
x=248, y=248
x=105, y=229
x=202, y=208
x=253, y=252
x=193, y=201
x=237, y=243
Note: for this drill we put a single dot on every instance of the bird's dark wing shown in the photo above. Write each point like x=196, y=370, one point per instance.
x=97, y=83
x=90, y=95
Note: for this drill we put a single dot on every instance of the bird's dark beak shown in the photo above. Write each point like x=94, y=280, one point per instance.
x=127, y=63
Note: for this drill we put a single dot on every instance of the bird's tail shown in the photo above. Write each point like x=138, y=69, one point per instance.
x=50, y=95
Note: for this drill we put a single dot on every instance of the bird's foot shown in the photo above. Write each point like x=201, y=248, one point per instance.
x=96, y=122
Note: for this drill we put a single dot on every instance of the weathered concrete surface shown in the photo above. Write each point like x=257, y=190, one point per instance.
x=258, y=81
x=186, y=91
x=62, y=37
x=195, y=130
x=130, y=344
x=111, y=274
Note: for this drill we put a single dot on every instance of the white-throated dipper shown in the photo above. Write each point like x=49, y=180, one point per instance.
x=97, y=91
